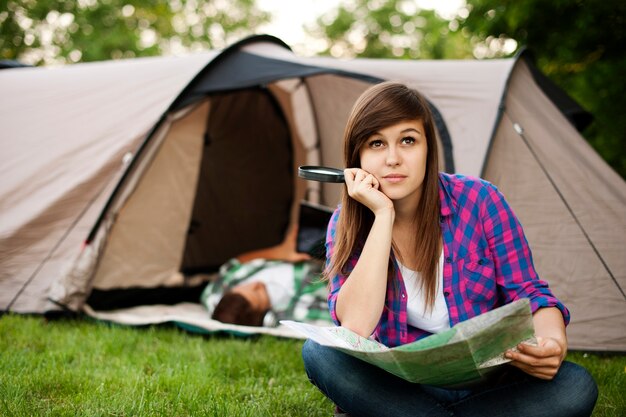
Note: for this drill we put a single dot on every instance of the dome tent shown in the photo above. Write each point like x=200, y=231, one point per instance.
x=128, y=182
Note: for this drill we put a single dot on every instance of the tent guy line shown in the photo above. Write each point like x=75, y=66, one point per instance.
x=520, y=131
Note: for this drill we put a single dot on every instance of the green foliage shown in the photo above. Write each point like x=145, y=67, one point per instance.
x=579, y=44
x=390, y=29
x=52, y=31
x=77, y=367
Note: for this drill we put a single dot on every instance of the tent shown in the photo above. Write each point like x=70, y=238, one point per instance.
x=125, y=184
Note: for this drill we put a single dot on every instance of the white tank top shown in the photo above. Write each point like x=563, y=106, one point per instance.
x=435, y=321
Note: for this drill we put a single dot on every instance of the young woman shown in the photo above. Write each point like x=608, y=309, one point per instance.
x=412, y=251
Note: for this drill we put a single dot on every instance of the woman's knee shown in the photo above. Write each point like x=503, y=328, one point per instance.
x=314, y=359
x=328, y=367
x=325, y=368
x=309, y=352
x=581, y=389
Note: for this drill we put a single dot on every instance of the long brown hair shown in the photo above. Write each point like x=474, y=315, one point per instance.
x=381, y=106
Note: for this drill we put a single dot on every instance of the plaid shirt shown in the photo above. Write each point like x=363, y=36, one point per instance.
x=310, y=292
x=487, y=261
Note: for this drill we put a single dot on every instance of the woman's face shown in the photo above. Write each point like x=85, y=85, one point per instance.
x=396, y=156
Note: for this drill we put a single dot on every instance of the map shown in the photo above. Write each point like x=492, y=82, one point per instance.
x=465, y=354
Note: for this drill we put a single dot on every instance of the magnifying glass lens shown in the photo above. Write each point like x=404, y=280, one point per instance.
x=320, y=173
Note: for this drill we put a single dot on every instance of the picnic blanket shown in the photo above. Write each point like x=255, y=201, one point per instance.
x=192, y=317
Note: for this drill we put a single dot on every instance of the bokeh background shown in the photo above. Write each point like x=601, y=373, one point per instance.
x=579, y=44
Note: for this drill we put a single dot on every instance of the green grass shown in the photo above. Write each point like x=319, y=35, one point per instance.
x=78, y=367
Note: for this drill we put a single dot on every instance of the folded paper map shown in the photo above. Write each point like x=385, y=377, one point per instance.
x=460, y=356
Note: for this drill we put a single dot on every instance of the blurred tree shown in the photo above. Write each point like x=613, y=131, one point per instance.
x=390, y=29
x=581, y=46
x=57, y=31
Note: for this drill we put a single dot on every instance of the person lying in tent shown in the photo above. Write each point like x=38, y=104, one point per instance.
x=264, y=286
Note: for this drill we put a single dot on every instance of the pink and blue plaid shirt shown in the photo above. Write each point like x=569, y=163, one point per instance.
x=487, y=261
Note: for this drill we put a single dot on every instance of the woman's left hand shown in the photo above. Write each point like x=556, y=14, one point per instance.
x=542, y=361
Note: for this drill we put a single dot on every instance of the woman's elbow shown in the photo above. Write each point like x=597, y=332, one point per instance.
x=359, y=327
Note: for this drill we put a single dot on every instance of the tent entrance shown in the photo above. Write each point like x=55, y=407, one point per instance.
x=245, y=185
x=219, y=184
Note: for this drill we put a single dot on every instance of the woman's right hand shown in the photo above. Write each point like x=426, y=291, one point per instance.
x=361, y=298
x=365, y=188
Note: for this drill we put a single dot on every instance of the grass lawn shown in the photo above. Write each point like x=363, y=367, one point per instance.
x=78, y=367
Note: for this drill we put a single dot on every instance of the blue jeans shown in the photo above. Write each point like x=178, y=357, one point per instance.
x=361, y=389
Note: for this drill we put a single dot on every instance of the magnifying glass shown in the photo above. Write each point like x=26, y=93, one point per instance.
x=319, y=173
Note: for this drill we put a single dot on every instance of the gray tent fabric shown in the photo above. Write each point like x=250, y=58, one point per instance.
x=135, y=179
